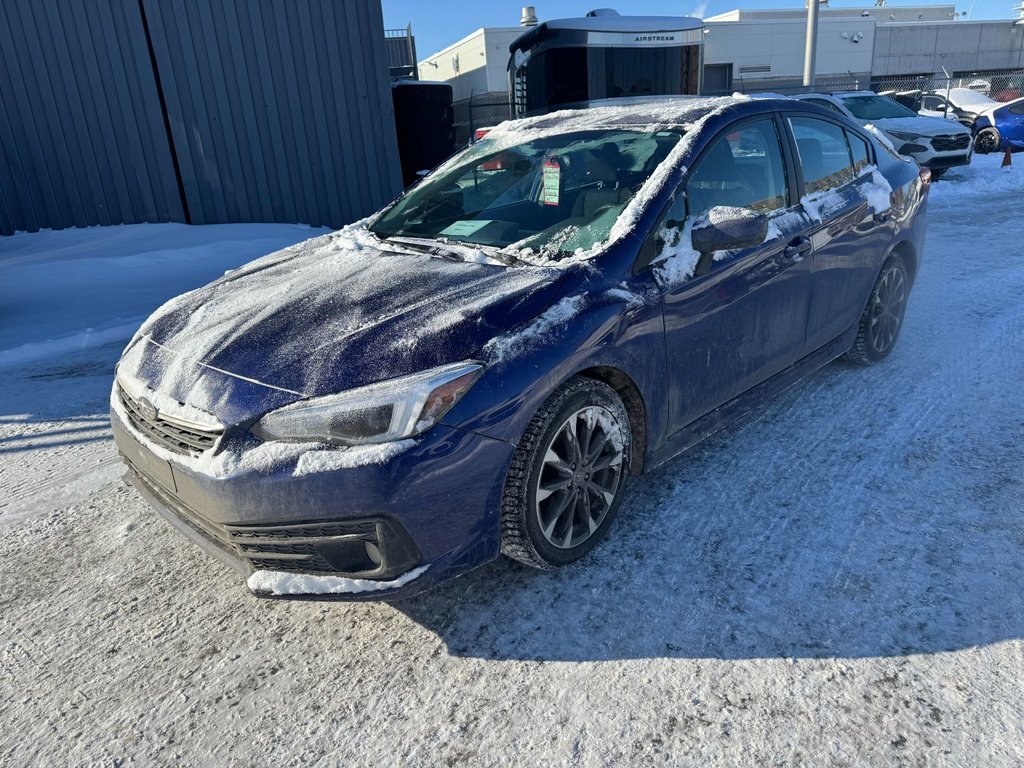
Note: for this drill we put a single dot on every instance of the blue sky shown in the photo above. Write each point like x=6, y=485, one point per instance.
x=439, y=23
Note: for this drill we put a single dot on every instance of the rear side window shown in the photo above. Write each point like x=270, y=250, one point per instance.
x=824, y=154
x=1016, y=109
x=859, y=151
x=743, y=167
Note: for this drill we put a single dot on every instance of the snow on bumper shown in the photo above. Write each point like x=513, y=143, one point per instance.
x=284, y=584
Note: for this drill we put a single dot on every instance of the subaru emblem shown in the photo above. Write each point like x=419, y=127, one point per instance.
x=147, y=409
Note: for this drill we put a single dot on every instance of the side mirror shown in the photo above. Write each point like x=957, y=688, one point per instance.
x=724, y=228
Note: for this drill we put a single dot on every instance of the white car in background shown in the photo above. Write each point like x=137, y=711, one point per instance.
x=935, y=143
x=965, y=104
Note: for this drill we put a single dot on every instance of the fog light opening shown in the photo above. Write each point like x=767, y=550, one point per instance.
x=372, y=552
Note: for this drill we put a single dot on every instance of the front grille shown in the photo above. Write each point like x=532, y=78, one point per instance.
x=171, y=432
x=951, y=142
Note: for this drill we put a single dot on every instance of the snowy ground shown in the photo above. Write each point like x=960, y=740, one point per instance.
x=836, y=581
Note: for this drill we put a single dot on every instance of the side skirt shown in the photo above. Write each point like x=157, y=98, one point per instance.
x=729, y=413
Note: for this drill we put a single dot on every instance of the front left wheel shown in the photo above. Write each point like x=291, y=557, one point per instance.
x=567, y=477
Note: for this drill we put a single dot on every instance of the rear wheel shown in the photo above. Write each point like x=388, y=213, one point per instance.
x=882, y=320
x=567, y=477
x=986, y=141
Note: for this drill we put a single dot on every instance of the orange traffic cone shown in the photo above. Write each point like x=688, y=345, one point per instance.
x=1007, y=159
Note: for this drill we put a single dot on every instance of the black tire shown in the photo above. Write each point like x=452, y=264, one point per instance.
x=522, y=537
x=880, y=324
x=987, y=141
x=938, y=173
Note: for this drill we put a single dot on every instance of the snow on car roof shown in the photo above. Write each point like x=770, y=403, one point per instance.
x=647, y=112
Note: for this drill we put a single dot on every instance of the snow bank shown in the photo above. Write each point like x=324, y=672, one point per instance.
x=65, y=290
x=983, y=178
x=283, y=583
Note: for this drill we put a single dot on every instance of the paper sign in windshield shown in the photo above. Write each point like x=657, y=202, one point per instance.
x=465, y=227
x=552, y=172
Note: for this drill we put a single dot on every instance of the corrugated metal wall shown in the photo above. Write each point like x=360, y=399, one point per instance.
x=82, y=138
x=278, y=110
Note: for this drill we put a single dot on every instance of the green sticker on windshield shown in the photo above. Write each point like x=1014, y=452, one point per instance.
x=552, y=173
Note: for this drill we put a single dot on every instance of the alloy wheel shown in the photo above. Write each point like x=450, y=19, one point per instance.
x=579, y=477
x=887, y=312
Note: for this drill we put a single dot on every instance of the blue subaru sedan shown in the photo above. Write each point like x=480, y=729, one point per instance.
x=482, y=367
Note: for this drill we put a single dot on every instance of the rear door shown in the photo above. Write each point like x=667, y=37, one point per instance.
x=841, y=194
x=745, y=318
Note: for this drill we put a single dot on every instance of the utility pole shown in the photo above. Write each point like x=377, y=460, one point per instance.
x=811, y=48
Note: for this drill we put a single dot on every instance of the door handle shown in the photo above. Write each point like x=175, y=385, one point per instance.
x=797, y=249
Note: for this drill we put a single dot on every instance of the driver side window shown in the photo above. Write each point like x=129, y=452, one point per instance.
x=741, y=168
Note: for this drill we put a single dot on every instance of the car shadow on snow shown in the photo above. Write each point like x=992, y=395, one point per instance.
x=753, y=545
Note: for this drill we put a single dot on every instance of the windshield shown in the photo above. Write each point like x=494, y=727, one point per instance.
x=875, y=107
x=554, y=195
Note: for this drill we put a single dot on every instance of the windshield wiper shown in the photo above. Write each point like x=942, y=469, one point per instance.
x=424, y=245
x=456, y=251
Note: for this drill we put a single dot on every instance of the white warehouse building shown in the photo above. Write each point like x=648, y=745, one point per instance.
x=760, y=50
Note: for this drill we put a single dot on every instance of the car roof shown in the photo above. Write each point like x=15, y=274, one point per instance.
x=832, y=94
x=655, y=112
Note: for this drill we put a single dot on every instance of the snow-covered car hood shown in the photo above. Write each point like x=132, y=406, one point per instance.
x=327, y=315
x=922, y=126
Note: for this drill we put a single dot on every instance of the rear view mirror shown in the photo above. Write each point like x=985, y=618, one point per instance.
x=724, y=228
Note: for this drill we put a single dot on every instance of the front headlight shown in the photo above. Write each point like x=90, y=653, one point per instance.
x=377, y=413
x=903, y=136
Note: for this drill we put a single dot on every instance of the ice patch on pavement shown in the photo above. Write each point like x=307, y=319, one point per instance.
x=284, y=583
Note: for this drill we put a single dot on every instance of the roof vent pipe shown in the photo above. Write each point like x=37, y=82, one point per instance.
x=529, y=16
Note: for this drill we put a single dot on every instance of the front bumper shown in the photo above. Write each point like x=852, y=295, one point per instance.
x=377, y=531
x=926, y=155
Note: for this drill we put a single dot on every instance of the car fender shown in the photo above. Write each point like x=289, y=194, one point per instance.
x=609, y=331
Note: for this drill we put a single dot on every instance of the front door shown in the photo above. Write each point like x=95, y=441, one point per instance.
x=744, y=319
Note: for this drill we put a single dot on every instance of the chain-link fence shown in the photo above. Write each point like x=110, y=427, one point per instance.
x=484, y=112
x=999, y=86
x=910, y=90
